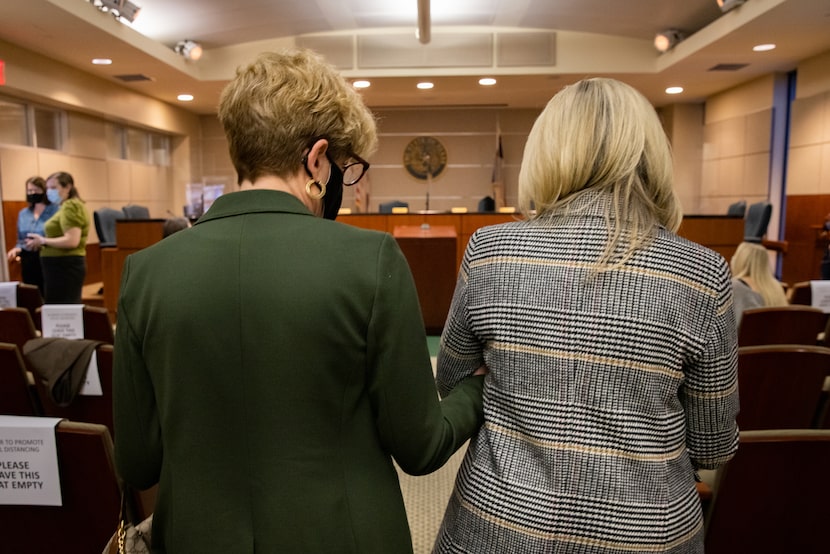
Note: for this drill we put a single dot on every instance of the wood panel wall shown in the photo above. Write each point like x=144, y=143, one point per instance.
x=804, y=217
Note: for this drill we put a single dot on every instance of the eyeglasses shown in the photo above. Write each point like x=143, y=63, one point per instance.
x=354, y=170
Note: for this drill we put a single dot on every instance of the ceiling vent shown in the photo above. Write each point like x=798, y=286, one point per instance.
x=728, y=66
x=133, y=77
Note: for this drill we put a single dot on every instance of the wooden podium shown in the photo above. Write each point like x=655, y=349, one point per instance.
x=133, y=235
x=430, y=251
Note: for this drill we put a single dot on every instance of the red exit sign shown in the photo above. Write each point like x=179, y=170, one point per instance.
x=2, y=72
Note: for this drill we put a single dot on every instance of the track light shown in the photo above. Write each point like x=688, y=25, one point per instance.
x=120, y=9
x=726, y=5
x=667, y=40
x=189, y=49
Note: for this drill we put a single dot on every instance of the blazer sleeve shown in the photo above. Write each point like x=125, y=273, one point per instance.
x=710, y=390
x=461, y=351
x=138, y=448
x=419, y=431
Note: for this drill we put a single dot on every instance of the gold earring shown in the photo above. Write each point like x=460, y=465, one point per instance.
x=315, y=195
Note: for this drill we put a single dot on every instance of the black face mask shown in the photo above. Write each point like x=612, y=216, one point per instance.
x=36, y=198
x=334, y=192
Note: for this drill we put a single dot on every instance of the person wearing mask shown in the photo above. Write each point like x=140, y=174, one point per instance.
x=753, y=283
x=610, y=343
x=63, y=248
x=31, y=220
x=270, y=363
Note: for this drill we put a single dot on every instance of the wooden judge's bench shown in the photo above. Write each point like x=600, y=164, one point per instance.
x=433, y=244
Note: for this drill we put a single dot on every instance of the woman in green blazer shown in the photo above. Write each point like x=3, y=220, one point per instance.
x=269, y=362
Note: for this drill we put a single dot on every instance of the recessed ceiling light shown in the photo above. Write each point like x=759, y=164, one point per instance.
x=674, y=90
x=185, y=97
x=763, y=47
x=425, y=85
x=361, y=84
x=487, y=81
x=101, y=61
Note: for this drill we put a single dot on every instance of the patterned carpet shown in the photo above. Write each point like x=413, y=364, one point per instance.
x=426, y=498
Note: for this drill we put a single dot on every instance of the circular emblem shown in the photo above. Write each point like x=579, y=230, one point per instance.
x=424, y=156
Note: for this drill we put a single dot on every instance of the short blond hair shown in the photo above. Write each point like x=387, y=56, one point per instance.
x=602, y=135
x=275, y=106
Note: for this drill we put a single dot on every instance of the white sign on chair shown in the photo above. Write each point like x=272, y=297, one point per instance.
x=820, y=295
x=62, y=321
x=8, y=294
x=29, y=461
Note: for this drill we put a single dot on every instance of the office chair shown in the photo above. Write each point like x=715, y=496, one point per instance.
x=757, y=221
x=737, y=209
x=105, y=219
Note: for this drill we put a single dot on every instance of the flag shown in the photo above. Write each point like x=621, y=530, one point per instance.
x=361, y=194
x=496, y=178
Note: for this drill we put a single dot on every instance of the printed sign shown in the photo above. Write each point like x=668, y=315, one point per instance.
x=62, y=321
x=92, y=381
x=29, y=461
x=8, y=294
x=820, y=294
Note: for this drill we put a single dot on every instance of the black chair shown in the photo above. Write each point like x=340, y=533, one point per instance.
x=105, y=219
x=757, y=221
x=487, y=204
x=386, y=207
x=738, y=209
x=133, y=211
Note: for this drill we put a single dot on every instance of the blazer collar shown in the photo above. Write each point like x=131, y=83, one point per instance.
x=254, y=201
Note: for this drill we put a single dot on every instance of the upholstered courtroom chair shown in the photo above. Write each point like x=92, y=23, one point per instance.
x=16, y=326
x=794, y=324
x=97, y=324
x=85, y=408
x=16, y=396
x=800, y=293
x=781, y=386
x=29, y=297
x=772, y=496
x=90, y=492
x=756, y=221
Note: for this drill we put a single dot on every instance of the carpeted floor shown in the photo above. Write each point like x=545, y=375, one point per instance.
x=426, y=497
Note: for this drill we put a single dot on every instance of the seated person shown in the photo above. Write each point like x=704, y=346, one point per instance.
x=753, y=283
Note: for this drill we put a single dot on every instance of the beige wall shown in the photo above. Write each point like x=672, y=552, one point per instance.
x=736, y=146
x=808, y=170
x=90, y=102
x=683, y=124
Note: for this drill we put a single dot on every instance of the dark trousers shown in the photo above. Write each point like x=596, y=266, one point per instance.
x=825, y=265
x=63, y=278
x=30, y=270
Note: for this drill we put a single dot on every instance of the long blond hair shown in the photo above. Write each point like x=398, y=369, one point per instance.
x=752, y=260
x=602, y=135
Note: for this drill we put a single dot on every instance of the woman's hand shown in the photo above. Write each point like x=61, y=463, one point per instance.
x=13, y=254
x=481, y=370
x=34, y=242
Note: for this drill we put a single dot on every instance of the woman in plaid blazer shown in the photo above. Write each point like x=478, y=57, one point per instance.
x=610, y=341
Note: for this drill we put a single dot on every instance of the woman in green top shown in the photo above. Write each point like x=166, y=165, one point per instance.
x=63, y=249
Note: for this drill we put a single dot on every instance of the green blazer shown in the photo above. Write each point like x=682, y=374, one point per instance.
x=269, y=364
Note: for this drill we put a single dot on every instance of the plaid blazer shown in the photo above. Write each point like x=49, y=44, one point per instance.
x=606, y=390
